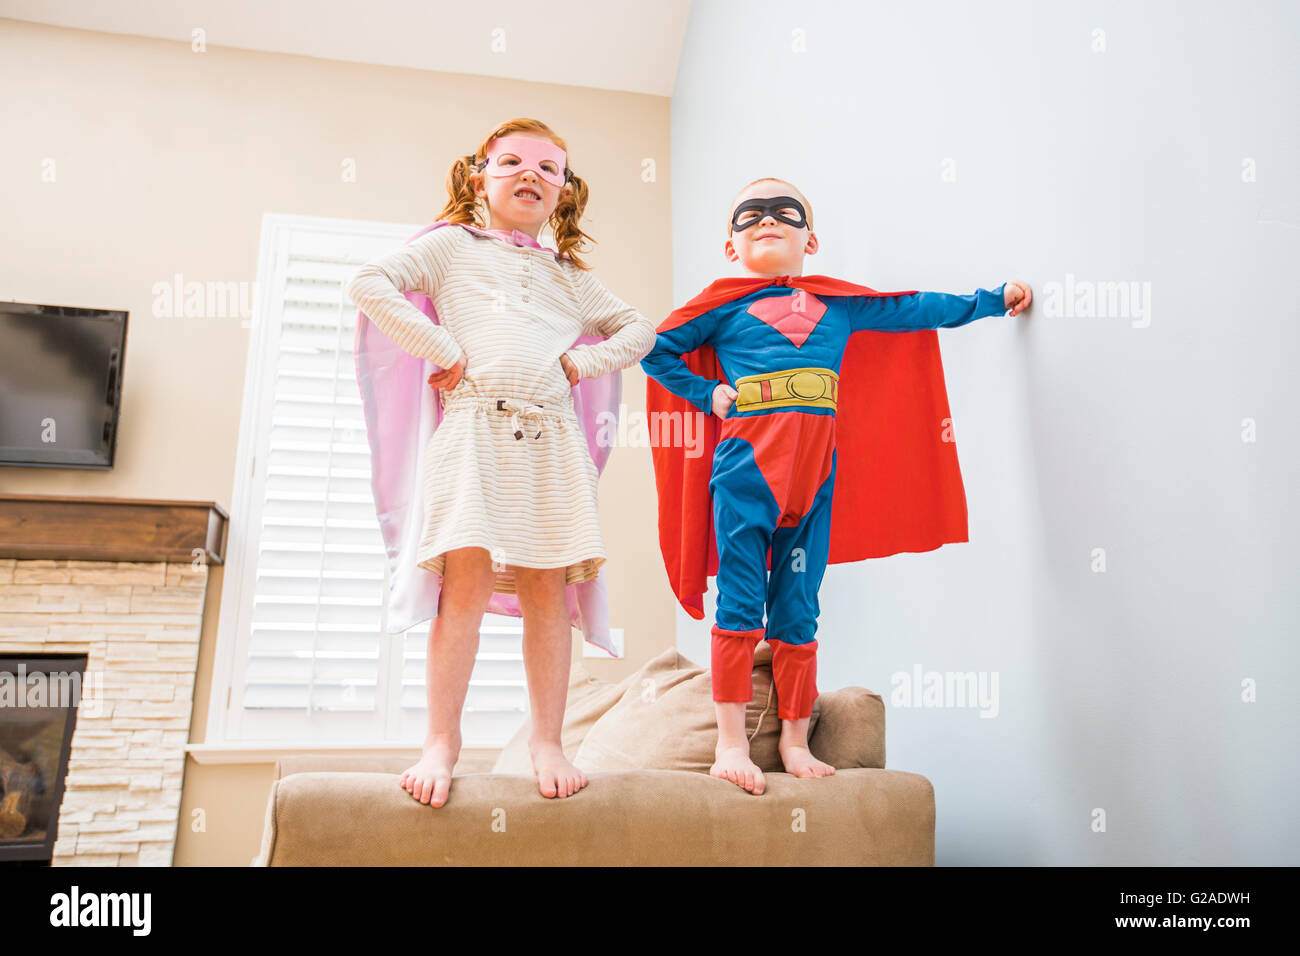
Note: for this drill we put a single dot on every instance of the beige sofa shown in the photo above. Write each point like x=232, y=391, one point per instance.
x=645, y=744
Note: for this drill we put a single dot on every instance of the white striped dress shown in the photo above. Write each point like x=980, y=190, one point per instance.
x=510, y=309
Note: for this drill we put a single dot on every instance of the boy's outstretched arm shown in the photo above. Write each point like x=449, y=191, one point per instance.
x=935, y=310
x=666, y=366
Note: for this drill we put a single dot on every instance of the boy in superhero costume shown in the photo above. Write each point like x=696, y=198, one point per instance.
x=828, y=441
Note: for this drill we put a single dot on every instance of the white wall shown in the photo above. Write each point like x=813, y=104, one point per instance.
x=1119, y=690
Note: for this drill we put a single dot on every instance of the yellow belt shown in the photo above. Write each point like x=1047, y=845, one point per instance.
x=807, y=387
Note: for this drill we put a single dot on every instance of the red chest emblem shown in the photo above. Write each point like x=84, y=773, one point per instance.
x=794, y=316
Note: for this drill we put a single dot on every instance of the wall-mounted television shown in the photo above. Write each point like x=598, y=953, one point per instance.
x=60, y=385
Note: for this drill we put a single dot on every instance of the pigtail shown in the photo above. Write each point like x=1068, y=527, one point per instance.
x=569, y=237
x=462, y=205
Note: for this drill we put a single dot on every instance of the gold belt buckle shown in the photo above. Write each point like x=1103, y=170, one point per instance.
x=794, y=387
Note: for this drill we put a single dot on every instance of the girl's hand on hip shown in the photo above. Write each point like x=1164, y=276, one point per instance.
x=448, y=378
x=570, y=370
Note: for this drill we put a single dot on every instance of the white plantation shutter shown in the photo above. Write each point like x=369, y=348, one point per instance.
x=312, y=660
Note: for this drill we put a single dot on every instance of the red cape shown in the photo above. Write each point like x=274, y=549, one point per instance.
x=898, y=485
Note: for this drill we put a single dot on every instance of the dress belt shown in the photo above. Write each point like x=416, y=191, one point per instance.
x=521, y=412
x=518, y=410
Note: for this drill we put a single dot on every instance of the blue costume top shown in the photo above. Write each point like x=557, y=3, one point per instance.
x=747, y=345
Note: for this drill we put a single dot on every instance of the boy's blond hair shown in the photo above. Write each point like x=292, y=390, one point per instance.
x=772, y=179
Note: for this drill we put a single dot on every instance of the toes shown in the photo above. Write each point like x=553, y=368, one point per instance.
x=546, y=783
x=440, y=788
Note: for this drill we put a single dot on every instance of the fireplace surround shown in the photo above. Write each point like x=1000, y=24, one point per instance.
x=122, y=583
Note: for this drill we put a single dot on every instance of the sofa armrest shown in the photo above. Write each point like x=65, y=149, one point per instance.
x=641, y=818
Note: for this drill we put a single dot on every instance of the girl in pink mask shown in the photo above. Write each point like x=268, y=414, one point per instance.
x=526, y=344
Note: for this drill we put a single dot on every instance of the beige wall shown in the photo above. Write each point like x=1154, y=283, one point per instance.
x=165, y=161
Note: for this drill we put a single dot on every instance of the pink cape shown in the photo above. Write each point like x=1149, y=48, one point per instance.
x=401, y=412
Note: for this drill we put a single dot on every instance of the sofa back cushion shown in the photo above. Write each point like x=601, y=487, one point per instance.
x=851, y=732
x=588, y=699
x=664, y=720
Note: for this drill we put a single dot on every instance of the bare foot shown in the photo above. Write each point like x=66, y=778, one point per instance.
x=430, y=776
x=733, y=764
x=800, y=762
x=556, y=777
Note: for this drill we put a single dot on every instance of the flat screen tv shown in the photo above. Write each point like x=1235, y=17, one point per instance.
x=60, y=385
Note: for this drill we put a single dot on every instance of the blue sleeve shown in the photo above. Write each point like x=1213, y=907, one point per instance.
x=666, y=366
x=923, y=310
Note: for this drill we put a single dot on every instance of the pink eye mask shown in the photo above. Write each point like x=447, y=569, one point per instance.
x=531, y=153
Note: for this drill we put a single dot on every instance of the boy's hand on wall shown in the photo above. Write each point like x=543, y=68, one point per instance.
x=723, y=396
x=570, y=370
x=448, y=378
x=1017, y=296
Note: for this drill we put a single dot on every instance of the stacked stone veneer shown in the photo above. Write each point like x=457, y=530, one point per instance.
x=139, y=626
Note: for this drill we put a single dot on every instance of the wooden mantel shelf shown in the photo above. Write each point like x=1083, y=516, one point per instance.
x=57, y=528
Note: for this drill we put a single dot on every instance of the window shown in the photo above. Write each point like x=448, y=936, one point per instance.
x=303, y=652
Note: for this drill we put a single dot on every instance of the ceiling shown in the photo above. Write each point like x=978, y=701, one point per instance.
x=628, y=45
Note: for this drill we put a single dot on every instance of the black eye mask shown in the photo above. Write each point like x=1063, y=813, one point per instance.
x=769, y=207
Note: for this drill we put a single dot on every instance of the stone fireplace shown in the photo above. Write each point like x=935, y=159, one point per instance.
x=122, y=582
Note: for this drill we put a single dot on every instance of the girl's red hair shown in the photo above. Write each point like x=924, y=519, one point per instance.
x=463, y=205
